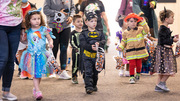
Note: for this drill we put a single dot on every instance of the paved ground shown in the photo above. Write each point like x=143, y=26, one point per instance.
x=111, y=87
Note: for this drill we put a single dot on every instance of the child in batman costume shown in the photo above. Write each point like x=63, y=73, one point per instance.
x=90, y=40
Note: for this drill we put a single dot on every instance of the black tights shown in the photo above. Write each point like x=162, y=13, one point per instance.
x=62, y=38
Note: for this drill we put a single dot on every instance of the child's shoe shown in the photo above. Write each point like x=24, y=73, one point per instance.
x=162, y=85
x=95, y=88
x=137, y=76
x=89, y=90
x=121, y=72
x=39, y=95
x=132, y=80
x=23, y=77
x=157, y=89
x=127, y=73
x=53, y=75
x=74, y=80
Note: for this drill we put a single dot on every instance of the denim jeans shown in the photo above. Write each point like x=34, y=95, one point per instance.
x=9, y=41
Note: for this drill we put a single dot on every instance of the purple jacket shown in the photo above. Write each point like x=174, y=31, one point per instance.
x=128, y=8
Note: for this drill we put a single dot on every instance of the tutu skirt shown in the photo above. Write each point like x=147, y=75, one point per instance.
x=35, y=65
x=163, y=61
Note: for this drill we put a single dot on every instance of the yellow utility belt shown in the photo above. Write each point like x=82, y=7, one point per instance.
x=89, y=54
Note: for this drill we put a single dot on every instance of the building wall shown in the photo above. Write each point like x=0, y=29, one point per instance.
x=40, y=3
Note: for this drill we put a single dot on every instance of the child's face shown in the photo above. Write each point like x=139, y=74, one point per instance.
x=35, y=20
x=78, y=23
x=170, y=20
x=92, y=23
x=132, y=23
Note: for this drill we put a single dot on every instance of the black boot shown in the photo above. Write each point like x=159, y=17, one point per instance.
x=95, y=88
x=89, y=90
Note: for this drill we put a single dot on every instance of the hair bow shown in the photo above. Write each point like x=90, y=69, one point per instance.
x=38, y=10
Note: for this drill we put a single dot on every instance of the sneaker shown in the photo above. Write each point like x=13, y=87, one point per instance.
x=137, y=76
x=23, y=77
x=1, y=99
x=39, y=95
x=162, y=85
x=74, y=80
x=53, y=75
x=64, y=75
x=121, y=72
x=157, y=89
x=9, y=97
x=95, y=88
x=132, y=80
x=89, y=90
x=127, y=73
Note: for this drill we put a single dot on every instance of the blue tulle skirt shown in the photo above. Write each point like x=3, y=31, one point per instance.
x=35, y=65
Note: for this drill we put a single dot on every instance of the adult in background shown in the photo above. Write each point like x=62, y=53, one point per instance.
x=10, y=28
x=146, y=8
x=125, y=9
x=62, y=35
x=98, y=7
x=77, y=6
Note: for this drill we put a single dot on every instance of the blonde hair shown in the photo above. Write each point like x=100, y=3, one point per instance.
x=28, y=17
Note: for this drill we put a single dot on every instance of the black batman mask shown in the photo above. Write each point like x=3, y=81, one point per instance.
x=90, y=15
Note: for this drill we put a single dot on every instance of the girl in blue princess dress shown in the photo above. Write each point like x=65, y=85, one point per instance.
x=33, y=60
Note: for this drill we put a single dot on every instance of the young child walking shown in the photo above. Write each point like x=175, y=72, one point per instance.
x=164, y=61
x=88, y=41
x=133, y=41
x=74, y=41
x=33, y=60
x=123, y=25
